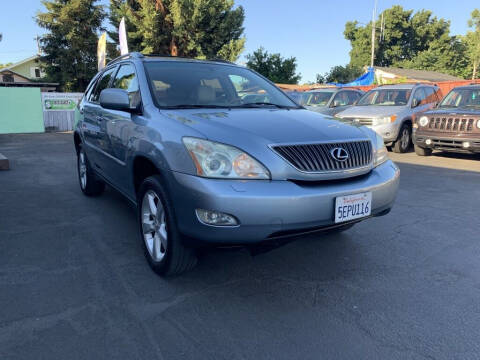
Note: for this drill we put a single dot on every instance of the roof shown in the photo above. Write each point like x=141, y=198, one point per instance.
x=13, y=72
x=400, y=86
x=420, y=75
x=34, y=57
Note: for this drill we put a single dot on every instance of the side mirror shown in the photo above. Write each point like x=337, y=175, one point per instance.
x=415, y=103
x=115, y=99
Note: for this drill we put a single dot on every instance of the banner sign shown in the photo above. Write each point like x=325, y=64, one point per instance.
x=60, y=101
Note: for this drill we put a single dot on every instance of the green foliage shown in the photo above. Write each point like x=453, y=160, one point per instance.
x=70, y=43
x=472, y=42
x=273, y=66
x=410, y=40
x=340, y=74
x=5, y=65
x=192, y=28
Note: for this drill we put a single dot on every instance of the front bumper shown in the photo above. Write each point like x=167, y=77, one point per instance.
x=389, y=132
x=265, y=208
x=447, y=143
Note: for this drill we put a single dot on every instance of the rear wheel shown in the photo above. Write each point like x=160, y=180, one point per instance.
x=402, y=145
x=420, y=151
x=89, y=183
x=162, y=241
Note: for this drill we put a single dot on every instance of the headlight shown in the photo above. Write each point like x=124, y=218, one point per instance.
x=384, y=120
x=381, y=152
x=423, y=121
x=478, y=124
x=215, y=160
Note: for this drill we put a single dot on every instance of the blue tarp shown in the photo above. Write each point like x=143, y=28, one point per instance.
x=365, y=79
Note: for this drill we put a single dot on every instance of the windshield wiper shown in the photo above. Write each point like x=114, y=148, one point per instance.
x=194, y=106
x=260, y=104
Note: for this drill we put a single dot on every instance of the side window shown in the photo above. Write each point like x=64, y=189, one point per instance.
x=438, y=94
x=353, y=96
x=126, y=79
x=341, y=99
x=100, y=85
x=419, y=95
x=431, y=97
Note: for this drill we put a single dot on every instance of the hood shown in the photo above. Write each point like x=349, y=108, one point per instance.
x=453, y=112
x=271, y=126
x=369, y=111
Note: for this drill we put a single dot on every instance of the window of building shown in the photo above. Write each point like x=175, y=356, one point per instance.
x=8, y=78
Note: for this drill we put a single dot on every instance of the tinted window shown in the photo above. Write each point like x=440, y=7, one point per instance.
x=101, y=84
x=386, y=97
x=431, y=96
x=317, y=98
x=353, y=96
x=126, y=79
x=341, y=99
x=420, y=96
x=189, y=84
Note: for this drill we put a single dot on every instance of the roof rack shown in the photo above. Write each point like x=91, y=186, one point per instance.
x=135, y=55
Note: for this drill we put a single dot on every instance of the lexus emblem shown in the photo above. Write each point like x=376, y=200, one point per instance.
x=339, y=154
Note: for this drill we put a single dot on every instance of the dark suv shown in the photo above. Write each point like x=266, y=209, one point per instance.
x=454, y=125
x=212, y=152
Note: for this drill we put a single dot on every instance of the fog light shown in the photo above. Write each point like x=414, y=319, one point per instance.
x=466, y=144
x=428, y=142
x=215, y=218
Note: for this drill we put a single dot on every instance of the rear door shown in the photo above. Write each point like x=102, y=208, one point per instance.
x=119, y=125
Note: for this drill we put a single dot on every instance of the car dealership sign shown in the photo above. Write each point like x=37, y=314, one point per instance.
x=60, y=101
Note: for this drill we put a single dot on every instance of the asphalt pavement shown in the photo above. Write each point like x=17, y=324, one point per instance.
x=74, y=283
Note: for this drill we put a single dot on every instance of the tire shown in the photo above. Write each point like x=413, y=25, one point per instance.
x=404, y=141
x=162, y=242
x=420, y=151
x=89, y=183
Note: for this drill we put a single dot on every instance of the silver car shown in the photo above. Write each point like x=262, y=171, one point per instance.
x=390, y=109
x=330, y=101
x=204, y=161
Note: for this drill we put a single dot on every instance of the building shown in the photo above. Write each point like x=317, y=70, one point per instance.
x=388, y=75
x=25, y=73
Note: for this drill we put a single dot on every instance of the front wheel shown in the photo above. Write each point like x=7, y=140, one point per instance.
x=404, y=140
x=162, y=241
x=420, y=151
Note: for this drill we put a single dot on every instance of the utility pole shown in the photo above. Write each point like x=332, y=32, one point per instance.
x=373, y=32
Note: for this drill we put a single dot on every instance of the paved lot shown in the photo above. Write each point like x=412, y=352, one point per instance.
x=74, y=283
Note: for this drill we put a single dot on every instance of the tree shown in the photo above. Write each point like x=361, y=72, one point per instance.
x=70, y=43
x=472, y=41
x=273, y=66
x=200, y=28
x=340, y=74
x=5, y=65
x=415, y=40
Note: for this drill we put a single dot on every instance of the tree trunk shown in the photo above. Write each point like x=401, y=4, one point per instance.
x=173, y=48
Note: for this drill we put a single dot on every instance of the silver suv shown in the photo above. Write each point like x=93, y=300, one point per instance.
x=390, y=109
x=330, y=101
x=211, y=152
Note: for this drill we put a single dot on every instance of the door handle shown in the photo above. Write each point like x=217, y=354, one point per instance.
x=99, y=118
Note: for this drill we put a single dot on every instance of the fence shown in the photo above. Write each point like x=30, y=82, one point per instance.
x=59, y=110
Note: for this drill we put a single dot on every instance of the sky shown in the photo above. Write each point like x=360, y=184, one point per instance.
x=310, y=30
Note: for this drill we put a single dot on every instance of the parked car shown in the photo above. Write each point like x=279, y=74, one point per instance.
x=202, y=165
x=389, y=110
x=330, y=101
x=296, y=96
x=453, y=126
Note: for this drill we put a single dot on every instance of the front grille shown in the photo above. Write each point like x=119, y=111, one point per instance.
x=317, y=157
x=450, y=124
x=364, y=121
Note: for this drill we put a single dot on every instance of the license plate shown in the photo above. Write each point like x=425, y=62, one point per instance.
x=350, y=207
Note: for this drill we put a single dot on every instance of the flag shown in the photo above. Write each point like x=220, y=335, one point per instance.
x=102, y=51
x=122, y=37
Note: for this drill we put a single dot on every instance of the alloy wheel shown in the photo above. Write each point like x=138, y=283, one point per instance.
x=82, y=169
x=405, y=139
x=154, y=225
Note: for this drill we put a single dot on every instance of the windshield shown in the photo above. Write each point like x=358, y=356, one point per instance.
x=385, y=97
x=317, y=98
x=176, y=84
x=462, y=98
